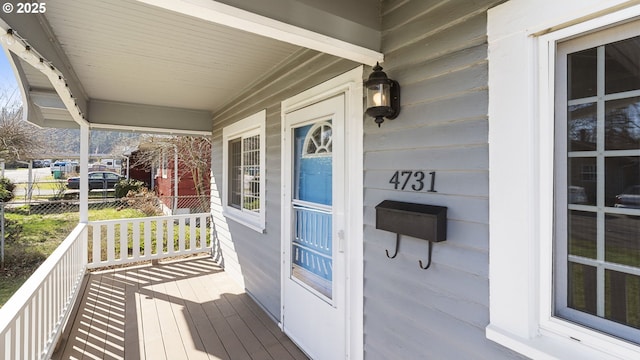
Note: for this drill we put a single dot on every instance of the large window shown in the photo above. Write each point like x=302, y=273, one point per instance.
x=564, y=114
x=597, y=238
x=243, y=169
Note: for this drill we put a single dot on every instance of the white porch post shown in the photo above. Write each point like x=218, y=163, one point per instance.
x=175, y=179
x=84, y=173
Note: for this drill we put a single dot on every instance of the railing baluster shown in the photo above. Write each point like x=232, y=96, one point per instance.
x=95, y=237
x=203, y=232
x=136, y=241
x=171, y=240
x=181, y=235
x=147, y=238
x=16, y=339
x=124, y=237
x=38, y=323
x=111, y=248
x=192, y=233
x=160, y=237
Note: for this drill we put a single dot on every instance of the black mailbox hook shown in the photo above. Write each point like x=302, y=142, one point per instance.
x=395, y=253
x=397, y=246
x=429, y=261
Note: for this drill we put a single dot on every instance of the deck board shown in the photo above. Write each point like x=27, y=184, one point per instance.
x=187, y=309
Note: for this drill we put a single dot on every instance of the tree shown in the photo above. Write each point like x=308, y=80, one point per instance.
x=19, y=139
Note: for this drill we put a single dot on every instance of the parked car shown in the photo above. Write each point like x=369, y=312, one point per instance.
x=630, y=198
x=63, y=166
x=577, y=195
x=97, y=180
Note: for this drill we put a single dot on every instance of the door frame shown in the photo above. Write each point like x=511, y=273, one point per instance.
x=349, y=84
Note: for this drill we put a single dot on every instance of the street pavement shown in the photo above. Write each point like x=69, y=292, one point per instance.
x=22, y=175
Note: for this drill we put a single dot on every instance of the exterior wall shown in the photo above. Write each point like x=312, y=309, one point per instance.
x=186, y=187
x=139, y=172
x=437, y=50
x=163, y=185
x=253, y=258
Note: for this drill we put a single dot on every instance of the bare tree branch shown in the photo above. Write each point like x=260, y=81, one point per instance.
x=19, y=139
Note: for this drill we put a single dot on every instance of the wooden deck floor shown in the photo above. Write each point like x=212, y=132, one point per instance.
x=182, y=310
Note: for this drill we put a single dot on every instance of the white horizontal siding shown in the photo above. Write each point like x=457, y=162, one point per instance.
x=252, y=258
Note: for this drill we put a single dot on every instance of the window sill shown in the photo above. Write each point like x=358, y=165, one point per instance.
x=251, y=223
x=549, y=345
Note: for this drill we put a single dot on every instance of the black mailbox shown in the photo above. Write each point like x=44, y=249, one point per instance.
x=421, y=221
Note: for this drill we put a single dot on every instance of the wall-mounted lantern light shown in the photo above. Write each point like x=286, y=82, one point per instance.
x=383, y=96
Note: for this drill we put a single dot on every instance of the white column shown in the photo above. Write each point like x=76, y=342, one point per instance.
x=175, y=178
x=84, y=173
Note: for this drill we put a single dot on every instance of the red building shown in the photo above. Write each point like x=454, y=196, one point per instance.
x=180, y=187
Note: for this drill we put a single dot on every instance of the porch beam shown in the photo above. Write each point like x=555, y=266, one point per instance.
x=37, y=59
x=35, y=29
x=236, y=18
x=113, y=115
x=46, y=99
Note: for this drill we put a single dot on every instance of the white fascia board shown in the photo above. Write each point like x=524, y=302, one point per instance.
x=149, y=130
x=232, y=17
x=159, y=119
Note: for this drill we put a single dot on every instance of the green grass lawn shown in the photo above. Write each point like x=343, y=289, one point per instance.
x=31, y=238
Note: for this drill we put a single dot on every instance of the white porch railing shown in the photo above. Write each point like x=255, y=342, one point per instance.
x=32, y=320
x=123, y=241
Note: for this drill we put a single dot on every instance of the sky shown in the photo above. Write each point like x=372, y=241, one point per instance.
x=9, y=93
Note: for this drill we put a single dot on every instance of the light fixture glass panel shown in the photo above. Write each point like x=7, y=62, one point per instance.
x=378, y=95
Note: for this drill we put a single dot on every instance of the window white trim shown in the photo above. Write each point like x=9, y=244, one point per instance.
x=309, y=138
x=249, y=126
x=164, y=164
x=522, y=41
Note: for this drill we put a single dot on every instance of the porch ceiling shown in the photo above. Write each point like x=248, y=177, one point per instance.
x=145, y=65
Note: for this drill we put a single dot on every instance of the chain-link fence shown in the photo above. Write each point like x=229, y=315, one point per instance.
x=37, y=224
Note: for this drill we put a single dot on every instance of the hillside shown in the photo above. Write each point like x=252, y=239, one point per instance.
x=67, y=141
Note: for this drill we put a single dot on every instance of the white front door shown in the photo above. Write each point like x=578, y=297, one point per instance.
x=314, y=306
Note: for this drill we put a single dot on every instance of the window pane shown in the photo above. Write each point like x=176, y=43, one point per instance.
x=582, y=175
x=622, y=181
x=582, y=127
x=622, y=124
x=235, y=173
x=598, y=245
x=582, y=291
x=313, y=170
x=582, y=74
x=622, y=72
x=622, y=239
x=621, y=298
x=582, y=234
x=251, y=173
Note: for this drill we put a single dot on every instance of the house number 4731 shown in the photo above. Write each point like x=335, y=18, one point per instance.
x=414, y=180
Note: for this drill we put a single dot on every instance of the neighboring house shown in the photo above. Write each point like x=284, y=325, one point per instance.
x=177, y=190
x=139, y=171
x=494, y=94
x=176, y=187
